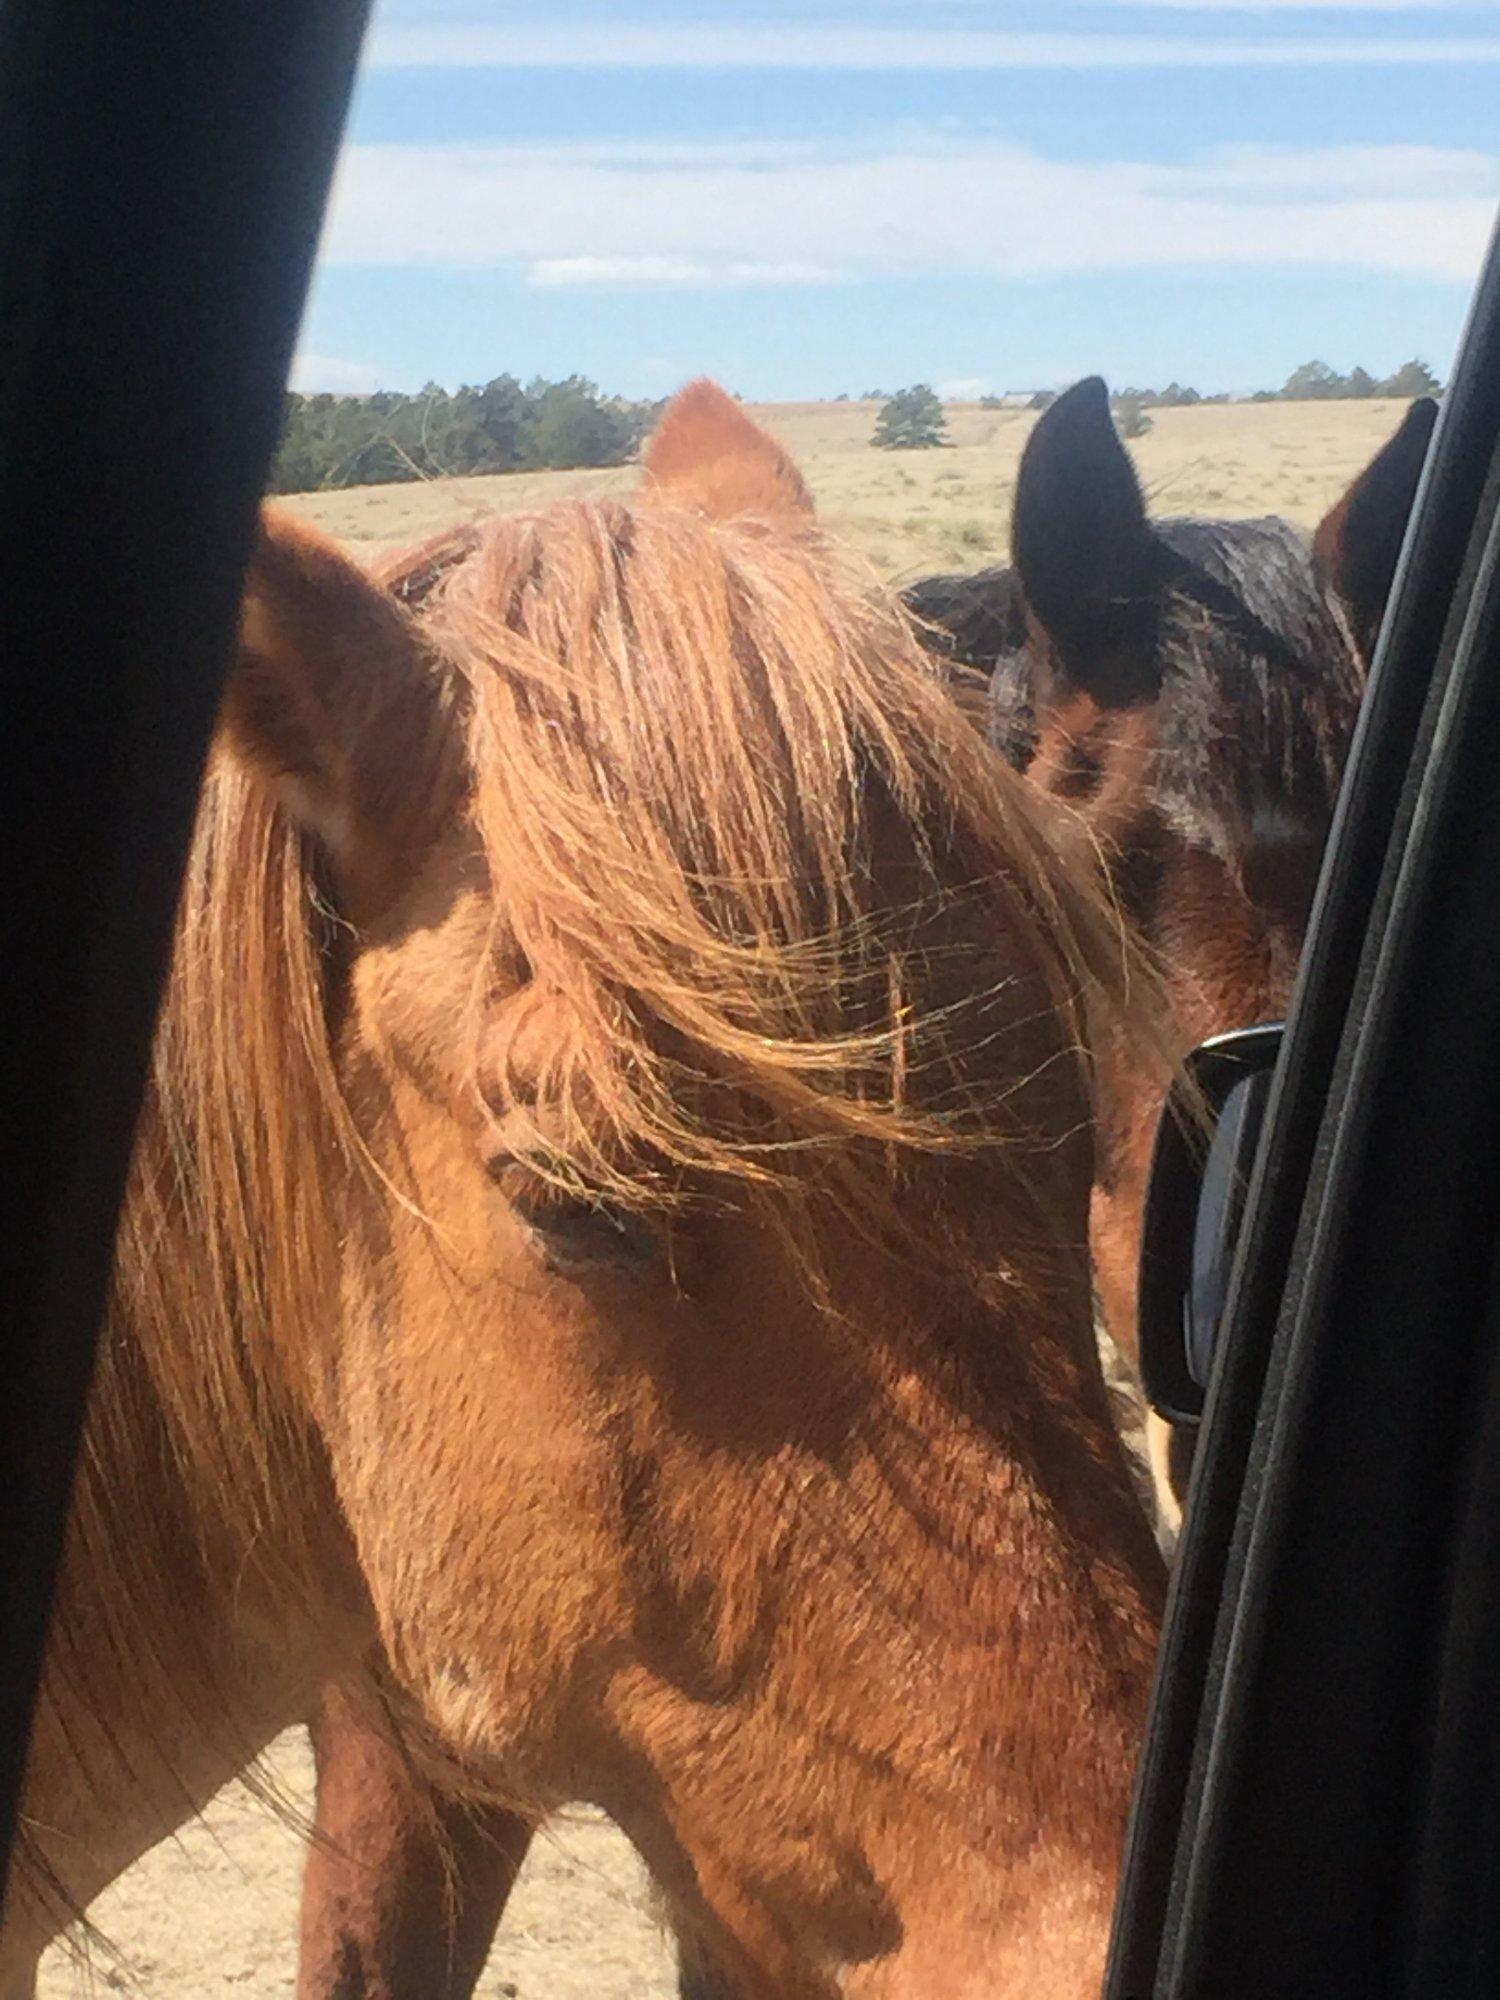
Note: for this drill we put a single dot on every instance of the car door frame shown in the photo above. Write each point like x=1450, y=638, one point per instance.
x=1333, y=1538
x=164, y=169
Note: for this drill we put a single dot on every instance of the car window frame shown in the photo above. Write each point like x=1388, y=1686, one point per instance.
x=1219, y=1793
x=164, y=170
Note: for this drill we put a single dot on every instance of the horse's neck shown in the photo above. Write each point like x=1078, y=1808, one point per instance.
x=186, y=1631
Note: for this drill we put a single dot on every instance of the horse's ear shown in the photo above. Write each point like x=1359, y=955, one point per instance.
x=334, y=703
x=1083, y=548
x=1360, y=539
x=707, y=454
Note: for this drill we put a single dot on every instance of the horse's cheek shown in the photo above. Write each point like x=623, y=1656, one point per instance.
x=471, y=1455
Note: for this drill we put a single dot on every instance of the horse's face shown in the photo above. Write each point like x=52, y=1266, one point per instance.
x=1190, y=689
x=1193, y=684
x=720, y=1442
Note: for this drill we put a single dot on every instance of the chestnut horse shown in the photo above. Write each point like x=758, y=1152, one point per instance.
x=1191, y=687
x=1248, y=647
x=609, y=1230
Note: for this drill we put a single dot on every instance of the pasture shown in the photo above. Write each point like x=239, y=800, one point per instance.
x=215, y=1910
x=913, y=512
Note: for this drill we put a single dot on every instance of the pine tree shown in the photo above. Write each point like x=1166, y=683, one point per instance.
x=1311, y=382
x=1412, y=378
x=912, y=420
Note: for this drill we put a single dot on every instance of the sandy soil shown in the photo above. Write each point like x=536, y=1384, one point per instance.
x=214, y=1911
x=916, y=512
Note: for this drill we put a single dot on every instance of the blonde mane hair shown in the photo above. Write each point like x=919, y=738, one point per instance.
x=740, y=823
x=196, y=1459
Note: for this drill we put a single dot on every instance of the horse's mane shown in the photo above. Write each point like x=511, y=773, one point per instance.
x=195, y=1462
x=245, y=1142
x=1259, y=674
x=1264, y=681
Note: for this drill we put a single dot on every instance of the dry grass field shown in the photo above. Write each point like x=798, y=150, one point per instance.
x=214, y=1911
x=916, y=512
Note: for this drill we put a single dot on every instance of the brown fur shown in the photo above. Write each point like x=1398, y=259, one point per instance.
x=402, y=1893
x=676, y=905
x=1190, y=688
x=707, y=454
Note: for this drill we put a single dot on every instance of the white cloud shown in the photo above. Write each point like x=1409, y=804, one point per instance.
x=579, y=215
x=329, y=374
x=1332, y=172
x=963, y=388
x=612, y=44
x=668, y=273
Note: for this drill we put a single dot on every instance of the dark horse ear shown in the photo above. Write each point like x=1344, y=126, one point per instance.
x=336, y=704
x=1360, y=539
x=1088, y=562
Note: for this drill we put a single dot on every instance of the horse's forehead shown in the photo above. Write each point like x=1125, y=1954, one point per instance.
x=1102, y=759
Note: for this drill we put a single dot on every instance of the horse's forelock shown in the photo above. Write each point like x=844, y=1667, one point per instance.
x=734, y=815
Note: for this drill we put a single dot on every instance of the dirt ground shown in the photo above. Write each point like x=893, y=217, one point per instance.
x=214, y=1911
x=916, y=512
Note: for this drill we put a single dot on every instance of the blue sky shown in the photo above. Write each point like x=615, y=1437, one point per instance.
x=808, y=196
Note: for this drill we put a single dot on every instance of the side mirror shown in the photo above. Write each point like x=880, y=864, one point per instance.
x=1194, y=1203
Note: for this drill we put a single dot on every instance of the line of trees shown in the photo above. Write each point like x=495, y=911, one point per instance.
x=507, y=426
x=1176, y=396
x=913, y=418
x=501, y=426
x=1315, y=381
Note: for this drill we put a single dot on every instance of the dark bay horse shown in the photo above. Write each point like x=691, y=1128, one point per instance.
x=604, y=1278
x=1190, y=687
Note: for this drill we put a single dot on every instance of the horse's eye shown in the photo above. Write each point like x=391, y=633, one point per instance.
x=1082, y=774
x=576, y=1236
x=574, y=1233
